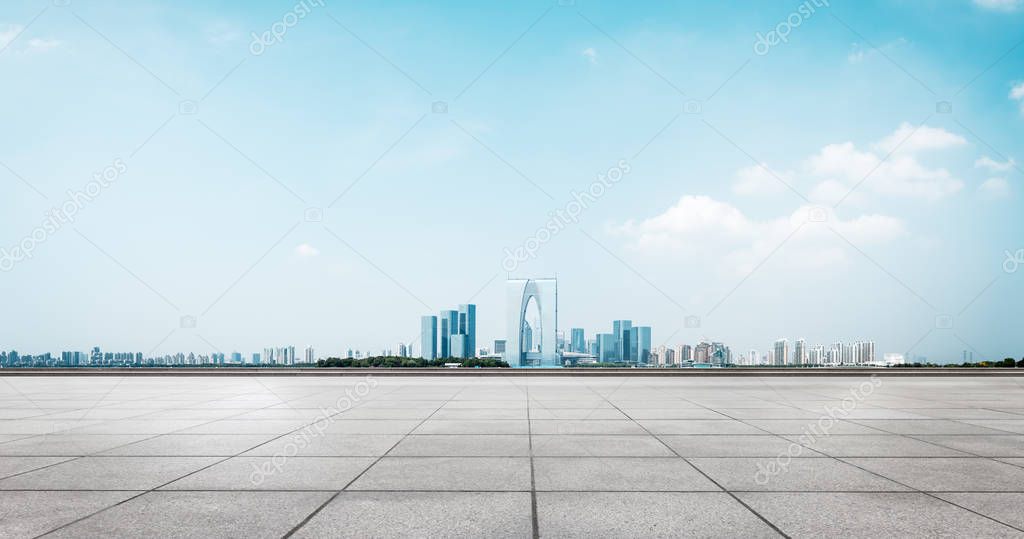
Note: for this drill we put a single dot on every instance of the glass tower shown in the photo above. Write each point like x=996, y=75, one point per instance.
x=467, y=327
x=428, y=337
x=444, y=337
x=577, y=342
x=643, y=344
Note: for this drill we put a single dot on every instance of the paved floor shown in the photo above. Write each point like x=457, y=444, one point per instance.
x=490, y=457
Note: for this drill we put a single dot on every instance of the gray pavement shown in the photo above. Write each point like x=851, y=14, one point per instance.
x=129, y=456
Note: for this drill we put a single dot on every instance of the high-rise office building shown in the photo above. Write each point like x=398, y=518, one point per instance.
x=606, y=347
x=444, y=337
x=620, y=328
x=499, y=346
x=459, y=346
x=800, y=352
x=753, y=359
x=643, y=344
x=467, y=327
x=428, y=337
x=702, y=353
x=577, y=341
x=668, y=355
x=309, y=354
x=781, y=349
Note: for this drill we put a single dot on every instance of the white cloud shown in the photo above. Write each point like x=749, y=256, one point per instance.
x=833, y=191
x=908, y=138
x=1017, y=94
x=859, y=53
x=994, y=188
x=699, y=226
x=992, y=165
x=306, y=250
x=42, y=45
x=902, y=174
x=11, y=32
x=8, y=33
x=590, y=54
x=760, y=180
x=1000, y=5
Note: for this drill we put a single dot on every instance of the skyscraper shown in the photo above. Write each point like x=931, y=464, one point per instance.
x=606, y=347
x=428, y=337
x=459, y=346
x=577, y=341
x=800, y=352
x=620, y=329
x=499, y=346
x=643, y=344
x=444, y=337
x=781, y=351
x=467, y=327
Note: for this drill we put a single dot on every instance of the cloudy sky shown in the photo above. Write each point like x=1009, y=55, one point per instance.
x=307, y=174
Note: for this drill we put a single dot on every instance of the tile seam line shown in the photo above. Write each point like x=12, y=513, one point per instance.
x=144, y=492
x=698, y=470
x=322, y=506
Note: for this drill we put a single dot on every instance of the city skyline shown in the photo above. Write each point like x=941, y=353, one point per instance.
x=860, y=177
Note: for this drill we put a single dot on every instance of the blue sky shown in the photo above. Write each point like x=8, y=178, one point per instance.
x=814, y=191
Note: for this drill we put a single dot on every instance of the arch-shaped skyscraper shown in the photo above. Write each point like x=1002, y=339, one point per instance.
x=519, y=294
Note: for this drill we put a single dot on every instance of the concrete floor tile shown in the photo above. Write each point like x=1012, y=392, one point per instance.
x=948, y=474
x=423, y=514
x=327, y=445
x=33, y=513
x=190, y=445
x=585, y=426
x=800, y=514
x=986, y=446
x=554, y=445
x=853, y=445
x=481, y=426
x=276, y=473
x=618, y=474
x=1002, y=506
x=762, y=445
x=643, y=514
x=791, y=474
x=698, y=426
x=201, y=514
x=108, y=473
x=447, y=473
x=15, y=465
x=463, y=445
